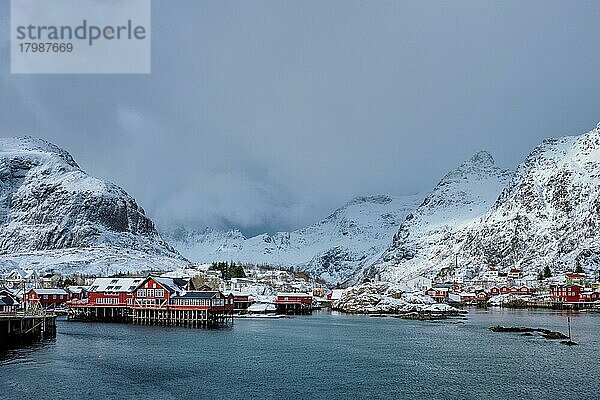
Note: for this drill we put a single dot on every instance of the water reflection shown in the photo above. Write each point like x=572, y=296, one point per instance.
x=14, y=350
x=324, y=356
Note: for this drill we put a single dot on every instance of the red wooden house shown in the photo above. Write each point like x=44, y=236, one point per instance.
x=47, y=298
x=523, y=290
x=566, y=293
x=108, y=292
x=294, y=303
x=510, y=290
x=482, y=296
x=467, y=297
x=590, y=296
x=165, y=293
x=439, y=294
x=154, y=292
x=78, y=292
x=211, y=301
x=241, y=301
x=153, y=300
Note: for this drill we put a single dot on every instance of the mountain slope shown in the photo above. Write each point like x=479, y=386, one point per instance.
x=548, y=215
x=334, y=249
x=425, y=242
x=48, y=205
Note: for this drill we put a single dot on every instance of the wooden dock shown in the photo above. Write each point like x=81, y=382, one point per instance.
x=164, y=316
x=189, y=318
x=21, y=326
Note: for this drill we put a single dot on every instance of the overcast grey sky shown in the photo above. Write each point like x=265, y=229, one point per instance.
x=269, y=114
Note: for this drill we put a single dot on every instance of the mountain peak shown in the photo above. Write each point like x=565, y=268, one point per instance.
x=483, y=158
x=48, y=204
x=33, y=145
x=376, y=199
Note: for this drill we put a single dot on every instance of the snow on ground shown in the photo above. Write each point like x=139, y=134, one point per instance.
x=424, y=243
x=90, y=261
x=386, y=298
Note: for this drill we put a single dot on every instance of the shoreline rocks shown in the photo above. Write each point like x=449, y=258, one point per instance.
x=380, y=299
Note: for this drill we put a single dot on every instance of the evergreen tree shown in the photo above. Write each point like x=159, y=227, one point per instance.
x=237, y=271
x=547, y=272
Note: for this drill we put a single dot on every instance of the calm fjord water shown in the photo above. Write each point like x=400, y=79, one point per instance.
x=324, y=356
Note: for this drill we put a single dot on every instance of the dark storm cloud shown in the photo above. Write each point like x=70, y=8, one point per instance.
x=268, y=114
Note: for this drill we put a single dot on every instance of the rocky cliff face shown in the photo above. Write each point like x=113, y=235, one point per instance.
x=549, y=214
x=335, y=249
x=546, y=214
x=426, y=241
x=47, y=203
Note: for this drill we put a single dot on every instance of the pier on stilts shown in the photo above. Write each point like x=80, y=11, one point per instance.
x=79, y=312
x=193, y=318
x=16, y=327
x=152, y=301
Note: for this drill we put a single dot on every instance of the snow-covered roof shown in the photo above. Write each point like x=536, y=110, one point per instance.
x=115, y=284
x=262, y=307
x=21, y=273
x=6, y=300
x=173, y=285
x=50, y=291
x=337, y=293
x=294, y=294
x=77, y=289
x=182, y=273
x=236, y=293
x=197, y=294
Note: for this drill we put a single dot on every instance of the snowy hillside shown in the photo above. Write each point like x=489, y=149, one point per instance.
x=334, y=249
x=549, y=214
x=50, y=207
x=425, y=241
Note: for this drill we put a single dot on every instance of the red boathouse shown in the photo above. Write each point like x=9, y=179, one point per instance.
x=294, y=303
x=153, y=301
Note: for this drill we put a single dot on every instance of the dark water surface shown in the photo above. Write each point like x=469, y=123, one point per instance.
x=324, y=356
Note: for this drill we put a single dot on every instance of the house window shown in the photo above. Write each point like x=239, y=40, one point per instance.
x=159, y=292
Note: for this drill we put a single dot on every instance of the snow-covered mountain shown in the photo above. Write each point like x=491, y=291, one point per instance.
x=546, y=214
x=549, y=214
x=54, y=215
x=425, y=242
x=334, y=249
